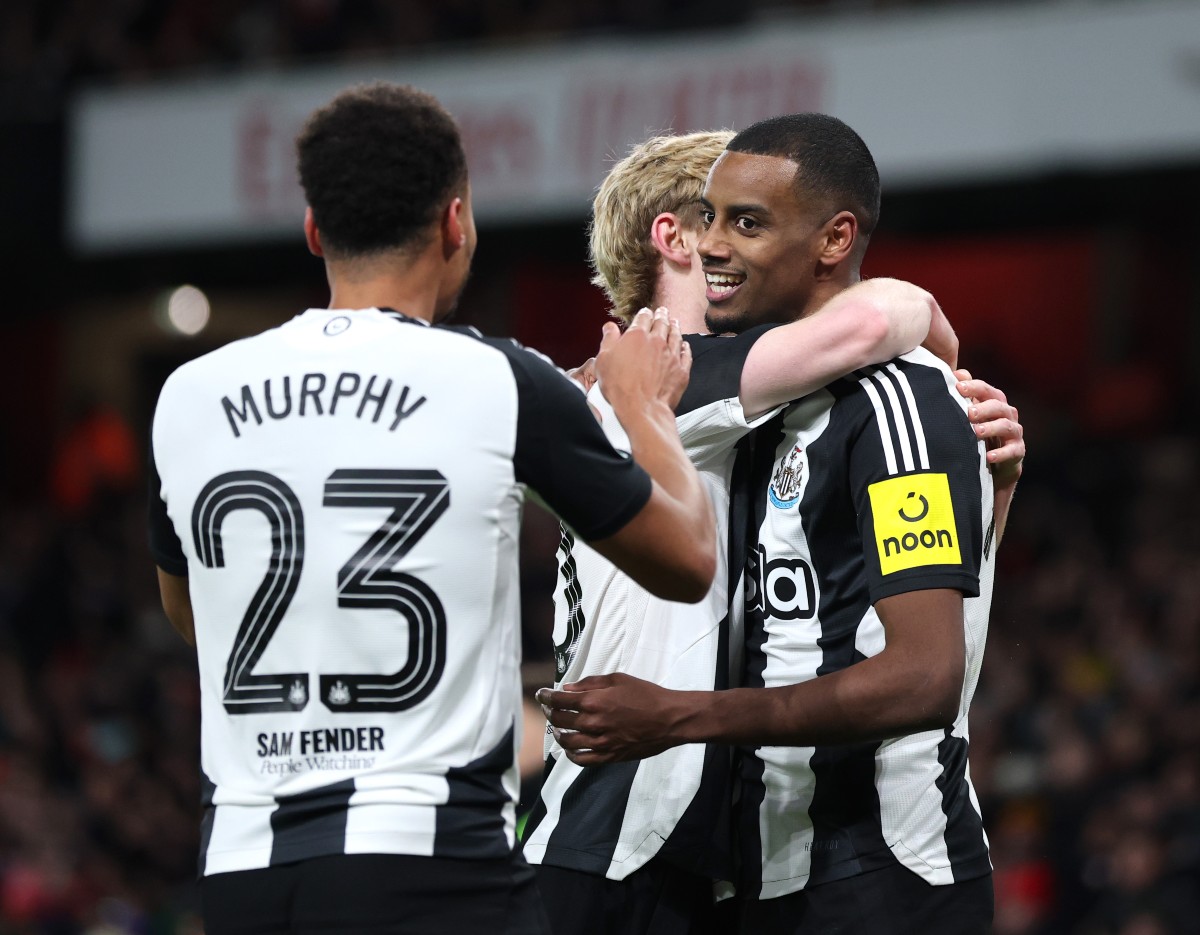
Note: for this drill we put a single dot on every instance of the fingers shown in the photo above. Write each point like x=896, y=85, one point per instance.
x=979, y=389
x=1002, y=430
x=674, y=339
x=685, y=357
x=963, y=375
x=660, y=324
x=989, y=410
x=1009, y=451
x=559, y=700
x=585, y=373
x=609, y=335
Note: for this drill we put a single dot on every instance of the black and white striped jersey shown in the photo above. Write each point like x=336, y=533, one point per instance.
x=344, y=494
x=872, y=487
x=610, y=820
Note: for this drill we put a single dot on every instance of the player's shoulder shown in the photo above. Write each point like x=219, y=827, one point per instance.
x=511, y=348
x=218, y=362
x=915, y=374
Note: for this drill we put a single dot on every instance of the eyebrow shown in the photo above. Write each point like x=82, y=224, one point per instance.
x=747, y=208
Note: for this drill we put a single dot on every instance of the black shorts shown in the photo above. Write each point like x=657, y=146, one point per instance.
x=891, y=901
x=377, y=894
x=657, y=899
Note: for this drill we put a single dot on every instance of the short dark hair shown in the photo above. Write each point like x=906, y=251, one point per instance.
x=834, y=161
x=377, y=164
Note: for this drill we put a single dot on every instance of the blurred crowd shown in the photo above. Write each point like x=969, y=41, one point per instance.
x=1085, y=732
x=1085, y=729
x=46, y=46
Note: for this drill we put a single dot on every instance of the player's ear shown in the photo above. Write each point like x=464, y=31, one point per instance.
x=311, y=234
x=839, y=237
x=454, y=229
x=670, y=239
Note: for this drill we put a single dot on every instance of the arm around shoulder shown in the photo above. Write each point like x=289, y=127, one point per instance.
x=868, y=323
x=669, y=546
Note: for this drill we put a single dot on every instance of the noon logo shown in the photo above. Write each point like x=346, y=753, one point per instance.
x=914, y=522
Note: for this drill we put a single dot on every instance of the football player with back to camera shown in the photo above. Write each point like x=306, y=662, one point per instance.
x=872, y=527
x=334, y=514
x=634, y=847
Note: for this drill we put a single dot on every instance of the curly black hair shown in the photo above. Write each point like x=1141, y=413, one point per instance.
x=834, y=161
x=377, y=164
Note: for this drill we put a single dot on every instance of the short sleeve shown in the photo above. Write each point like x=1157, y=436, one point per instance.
x=916, y=478
x=562, y=454
x=165, y=547
x=710, y=417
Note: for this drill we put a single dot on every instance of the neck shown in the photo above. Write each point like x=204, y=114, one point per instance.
x=681, y=291
x=387, y=281
x=828, y=288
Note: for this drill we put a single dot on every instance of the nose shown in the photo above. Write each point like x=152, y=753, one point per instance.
x=712, y=245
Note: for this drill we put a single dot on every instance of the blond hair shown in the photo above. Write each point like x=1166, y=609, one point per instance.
x=665, y=173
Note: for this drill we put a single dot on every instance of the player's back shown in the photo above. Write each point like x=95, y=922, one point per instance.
x=344, y=492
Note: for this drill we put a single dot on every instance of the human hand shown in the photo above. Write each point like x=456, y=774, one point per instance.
x=611, y=718
x=650, y=361
x=584, y=374
x=998, y=424
x=941, y=341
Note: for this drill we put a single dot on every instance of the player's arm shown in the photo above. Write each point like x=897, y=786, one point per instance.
x=998, y=423
x=913, y=685
x=650, y=516
x=170, y=560
x=177, y=603
x=643, y=378
x=929, y=491
x=868, y=323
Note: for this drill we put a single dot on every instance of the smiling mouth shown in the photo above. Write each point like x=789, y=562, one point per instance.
x=722, y=285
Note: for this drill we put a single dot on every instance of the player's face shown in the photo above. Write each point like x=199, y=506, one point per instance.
x=760, y=248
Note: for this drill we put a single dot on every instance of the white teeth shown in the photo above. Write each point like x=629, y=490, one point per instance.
x=722, y=282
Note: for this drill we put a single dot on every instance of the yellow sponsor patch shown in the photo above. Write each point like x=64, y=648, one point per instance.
x=914, y=522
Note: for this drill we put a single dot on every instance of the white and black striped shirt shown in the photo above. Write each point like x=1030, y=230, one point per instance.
x=610, y=820
x=344, y=494
x=872, y=487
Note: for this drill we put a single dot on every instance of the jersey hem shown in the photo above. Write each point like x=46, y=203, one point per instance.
x=603, y=865
x=962, y=871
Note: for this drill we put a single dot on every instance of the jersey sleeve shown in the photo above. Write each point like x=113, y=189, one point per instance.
x=562, y=454
x=165, y=547
x=710, y=417
x=915, y=475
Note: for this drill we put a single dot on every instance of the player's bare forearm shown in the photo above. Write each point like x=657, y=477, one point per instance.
x=915, y=684
x=177, y=604
x=670, y=546
x=870, y=322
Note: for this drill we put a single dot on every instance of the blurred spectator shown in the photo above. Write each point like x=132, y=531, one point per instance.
x=97, y=458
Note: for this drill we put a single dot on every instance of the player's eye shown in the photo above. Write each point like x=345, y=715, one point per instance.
x=706, y=218
x=746, y=223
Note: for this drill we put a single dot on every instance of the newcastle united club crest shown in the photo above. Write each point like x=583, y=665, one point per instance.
x=784, y=491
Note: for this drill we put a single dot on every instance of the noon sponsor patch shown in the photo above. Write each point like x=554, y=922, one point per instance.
x=914, y=522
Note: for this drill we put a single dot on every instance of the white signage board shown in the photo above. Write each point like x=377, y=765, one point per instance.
x=939, y=96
